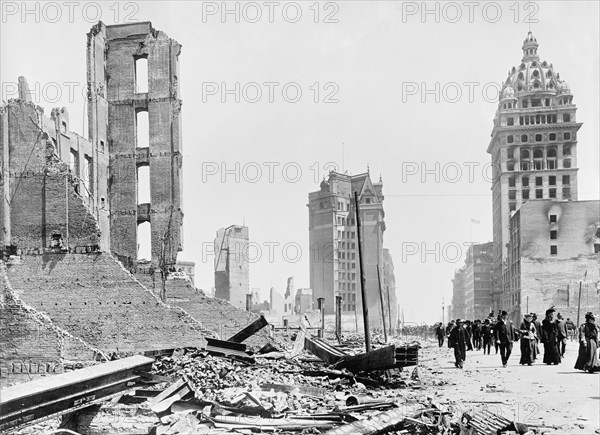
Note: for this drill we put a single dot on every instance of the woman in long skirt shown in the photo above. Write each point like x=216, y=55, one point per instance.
x=550, y=338
x=588, y=345
x=527, y=330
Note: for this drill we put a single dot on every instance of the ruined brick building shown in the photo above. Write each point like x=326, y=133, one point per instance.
x=71, y=209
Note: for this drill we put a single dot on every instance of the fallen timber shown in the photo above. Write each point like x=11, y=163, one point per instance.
x=249, y=330
x=28, y=403
x=385, y=358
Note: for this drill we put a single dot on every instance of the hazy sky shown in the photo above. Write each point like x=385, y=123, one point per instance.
x=405, y=91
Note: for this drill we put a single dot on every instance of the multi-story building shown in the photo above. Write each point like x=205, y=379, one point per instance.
x=459, y=308
x=232, y=268
x=478, y=280
x=303, y=301
x=389, y=286
x=472, y=284
x=533, y=147
x=187, y=267
x=334, y=262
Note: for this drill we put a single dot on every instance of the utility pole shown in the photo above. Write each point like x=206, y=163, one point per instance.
x=363, y=290
x=579, y=303
x=321, y=331
x=338, y=318
x=385, y=336
x=443, y=312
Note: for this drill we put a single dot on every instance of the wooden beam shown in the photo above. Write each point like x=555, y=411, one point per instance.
x=323, y=350
x=379, y=359
x=249, y=330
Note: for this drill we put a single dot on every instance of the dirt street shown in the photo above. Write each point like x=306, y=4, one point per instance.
x=548, y=395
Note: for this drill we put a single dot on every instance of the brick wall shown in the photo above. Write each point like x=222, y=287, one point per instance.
x=94, y=298
x=216, y=315
x=30, y=344
x=548, y=281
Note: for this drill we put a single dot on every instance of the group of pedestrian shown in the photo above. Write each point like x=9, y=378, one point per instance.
x=466, y=335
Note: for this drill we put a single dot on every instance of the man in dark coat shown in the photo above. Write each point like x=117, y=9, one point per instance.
x=538, y=335
x=440, y=332
x=487, y=335
x=505, y=334
x=458, y=338
x=477, y=334
x=449, y=329
x=468, y=330
x=563, y=334
x=550, y=338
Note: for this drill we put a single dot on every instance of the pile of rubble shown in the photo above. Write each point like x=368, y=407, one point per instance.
x=315, y=387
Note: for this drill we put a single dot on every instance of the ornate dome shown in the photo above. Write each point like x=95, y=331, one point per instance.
x=532, y=75
x=563, y=88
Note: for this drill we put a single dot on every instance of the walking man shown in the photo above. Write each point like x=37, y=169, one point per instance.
x=458, y=338
x=538, y=335
x=505, y=334
x=440, y=332
x=487, y=335
x=563, y=333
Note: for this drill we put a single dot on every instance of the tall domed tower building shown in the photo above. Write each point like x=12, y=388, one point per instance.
x=533, y=147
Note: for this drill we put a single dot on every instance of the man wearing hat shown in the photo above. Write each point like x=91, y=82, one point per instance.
x=527, y=331
x=588, y=345
x=505, y=334
x=487, y=335
x=538, y=334
x=458, y=338
x=563, y=334
x=550, y=338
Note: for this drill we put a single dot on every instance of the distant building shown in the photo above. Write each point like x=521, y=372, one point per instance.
x=334, y=262
x=472, y=284
x=232, y=271
x=459, y=308
x=187, y=267
x=479, y=266
x=303, y=301
x=554, y=247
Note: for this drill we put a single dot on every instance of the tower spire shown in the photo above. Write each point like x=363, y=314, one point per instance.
x=530, y=46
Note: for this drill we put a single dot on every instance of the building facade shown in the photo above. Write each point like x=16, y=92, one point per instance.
x=472, y=284
x=553, y=251
x=459, y=307
x=232, y=267
x=389, y=286
x=334, y=268
x=533, y=147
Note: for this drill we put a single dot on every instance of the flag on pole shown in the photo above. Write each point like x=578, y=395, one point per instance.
x=475, y=221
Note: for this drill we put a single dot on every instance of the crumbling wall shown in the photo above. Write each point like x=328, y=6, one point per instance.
x=43, y=195
x=555, y=282
x=94, y=298
x=217, y=316
x=31, y=345
x=113, y=53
